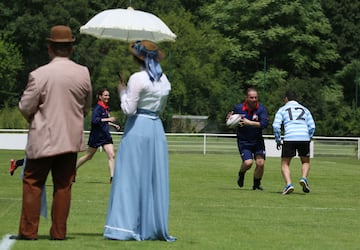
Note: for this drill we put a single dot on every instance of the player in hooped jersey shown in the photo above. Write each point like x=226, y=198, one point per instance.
x=299, y=128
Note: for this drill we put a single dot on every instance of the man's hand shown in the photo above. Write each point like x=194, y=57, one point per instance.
x=278, y=145
x=244, y=122
x=229, y=114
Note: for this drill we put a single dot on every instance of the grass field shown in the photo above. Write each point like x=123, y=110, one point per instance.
x=207, y=209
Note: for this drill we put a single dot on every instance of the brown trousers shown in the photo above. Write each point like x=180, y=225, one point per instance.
x=63, y=168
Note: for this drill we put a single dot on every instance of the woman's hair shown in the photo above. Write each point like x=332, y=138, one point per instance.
x=139, y=61
x=100, y=92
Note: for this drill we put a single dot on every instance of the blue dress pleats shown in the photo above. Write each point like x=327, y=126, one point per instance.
x=139, y=197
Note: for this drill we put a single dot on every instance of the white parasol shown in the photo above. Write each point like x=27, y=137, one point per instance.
x=128, y=25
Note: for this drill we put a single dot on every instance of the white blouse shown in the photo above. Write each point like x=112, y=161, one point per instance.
x=141, y=93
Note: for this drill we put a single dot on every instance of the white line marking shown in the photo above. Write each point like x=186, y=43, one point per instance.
x=287, y=207
x=6, y=243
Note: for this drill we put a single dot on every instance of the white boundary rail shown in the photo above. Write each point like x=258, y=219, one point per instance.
x=15, y=139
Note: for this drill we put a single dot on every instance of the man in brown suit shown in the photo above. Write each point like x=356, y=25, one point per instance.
x=55, y=101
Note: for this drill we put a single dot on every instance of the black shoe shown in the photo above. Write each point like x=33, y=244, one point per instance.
x=240, y=180
x=257, y=184
x=20, y=237
x=258, y=188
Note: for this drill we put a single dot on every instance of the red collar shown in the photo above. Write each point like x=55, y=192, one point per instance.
x=102, y=104
x=245, y=107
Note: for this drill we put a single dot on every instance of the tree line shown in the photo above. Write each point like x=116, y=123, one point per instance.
x=222, y=47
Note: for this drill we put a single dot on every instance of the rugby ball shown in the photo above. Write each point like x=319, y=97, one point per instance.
x=233, y=120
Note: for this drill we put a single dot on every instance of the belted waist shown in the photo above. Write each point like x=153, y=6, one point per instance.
x=147, y=112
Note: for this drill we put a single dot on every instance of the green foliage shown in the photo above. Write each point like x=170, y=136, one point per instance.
x=273, y=79
x=348, y=78
x=293, y=36
x=222, y=47
x=10, y=65
x=197, y=73
x=345, y=24
x=10, y=117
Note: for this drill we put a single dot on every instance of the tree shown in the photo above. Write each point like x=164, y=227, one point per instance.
x=10, y=65
x=347, y=79
x=222, y=47
x=193, y=65
x=201, y=80
x=293, y=35
x=27, y=24
x=345, y=22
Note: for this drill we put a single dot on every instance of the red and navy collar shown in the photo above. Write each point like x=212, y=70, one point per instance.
x=102, y=104
x=245, y=107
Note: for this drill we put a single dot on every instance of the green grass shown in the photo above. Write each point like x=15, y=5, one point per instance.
x=207, y=209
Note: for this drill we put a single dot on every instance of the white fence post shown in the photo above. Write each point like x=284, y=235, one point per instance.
x=204, y=144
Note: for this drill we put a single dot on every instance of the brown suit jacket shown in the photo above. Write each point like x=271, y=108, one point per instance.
x=55, y=101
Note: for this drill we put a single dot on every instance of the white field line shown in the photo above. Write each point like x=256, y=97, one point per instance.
x=6, y=243
x=300, y=208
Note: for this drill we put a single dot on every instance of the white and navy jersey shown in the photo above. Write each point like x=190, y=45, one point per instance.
x=298, y=123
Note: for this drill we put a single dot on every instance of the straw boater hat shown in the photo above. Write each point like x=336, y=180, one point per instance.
x=148, y=46
x=61, y=34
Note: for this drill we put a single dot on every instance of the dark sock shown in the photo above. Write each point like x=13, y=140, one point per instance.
x=257, y=182
x=19, y=162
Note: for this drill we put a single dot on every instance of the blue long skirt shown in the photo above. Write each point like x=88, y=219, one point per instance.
x=139, y=197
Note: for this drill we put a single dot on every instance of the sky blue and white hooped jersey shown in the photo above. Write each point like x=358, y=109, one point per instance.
x=298, y=123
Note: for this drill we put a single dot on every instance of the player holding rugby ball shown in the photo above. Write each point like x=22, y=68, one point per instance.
x=250, y=140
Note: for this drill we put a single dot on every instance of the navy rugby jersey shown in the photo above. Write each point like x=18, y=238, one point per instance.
x=99, y=134
x=259, y=114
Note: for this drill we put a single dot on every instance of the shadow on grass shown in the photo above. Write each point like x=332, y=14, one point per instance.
x=73, y=235
x=96, y=182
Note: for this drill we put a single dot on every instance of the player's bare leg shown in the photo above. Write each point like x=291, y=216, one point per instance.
x=109, y=149
x=88, y=156
x=285, y=171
